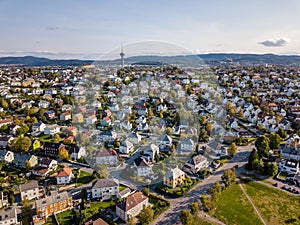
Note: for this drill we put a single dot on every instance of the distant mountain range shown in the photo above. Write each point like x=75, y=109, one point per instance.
x=210, y=59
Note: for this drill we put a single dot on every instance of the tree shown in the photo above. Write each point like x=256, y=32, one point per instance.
x=203, y=136
x=282, y=133
x=21, y=144
x=2, y=164
x=26, y=212
x=253, y=155
x=271, y=168
x=209, y=127
x=207, y=203
x=101, y=171
x=258, y=166
x=274, y=140
x=11, y=197
x=194, y=208
x=232, y=149
x=146, y=215
x=22, y=130
x=229, y=177
x=215, y=190
x=4, y=103
x=262, y=145
x=186, y=217
x=27, y=165
x=63, y=154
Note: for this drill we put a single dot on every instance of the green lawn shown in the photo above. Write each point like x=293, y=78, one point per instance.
x=233, y=207
x=122, y=187
x=276, y=206
x=50, y=221
x=65, y=218
x=84, y=178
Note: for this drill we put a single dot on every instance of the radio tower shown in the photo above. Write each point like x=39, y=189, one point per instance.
x=122, y=54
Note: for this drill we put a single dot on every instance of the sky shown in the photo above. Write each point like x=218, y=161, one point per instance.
x=87, y=29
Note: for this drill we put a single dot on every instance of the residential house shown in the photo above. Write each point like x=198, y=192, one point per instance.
x=53, y=204
x=195, y=164
x=7, y=156
x=106, y=122
x=216, y=150
x=132, y=206
x=142, y=167
x=164, y=140
x=186, y=145
x=45, y=167
x=107, y=157
x=64, y=176
x=50, y=115
x=29, y=190
x=150, y=151
x=51, y=148
x=134, y=138
x=105, y=189
x=290, y=152
x=13, y=129
x=98, y=221
x=38, y=128
x=90, y=120
x=174, y=177
x=52, y=129
x=8, y=216
x=36, y=144
x=66, y=107
x=24, y=160
x=65, y=116
x=44, y=104
x=78, y=118
x=289, y=166
x=126, y=147
x=107, y=135
x=5, y=140
x=76, y=152
x=5, y=122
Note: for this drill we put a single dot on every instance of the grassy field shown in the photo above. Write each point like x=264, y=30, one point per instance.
x=276, y=206
x=234, y=208
x=84, y=178
x=65, y=218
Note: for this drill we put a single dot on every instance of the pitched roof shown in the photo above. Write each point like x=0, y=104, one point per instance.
x=174, y=173
x=141, y=162
x=132, y=201
x=29, y=186
x=52, y=199
x=104, y=153
x=102, y=183
x=65, y=172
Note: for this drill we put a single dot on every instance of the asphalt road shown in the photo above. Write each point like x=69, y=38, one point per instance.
x=171, y=216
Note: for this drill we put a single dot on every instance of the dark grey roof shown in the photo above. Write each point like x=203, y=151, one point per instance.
x=102, y=183
x=29, y=186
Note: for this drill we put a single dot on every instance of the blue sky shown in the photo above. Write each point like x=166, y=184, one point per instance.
x=89, y=28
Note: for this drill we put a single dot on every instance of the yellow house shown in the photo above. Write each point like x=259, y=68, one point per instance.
x=174, y=178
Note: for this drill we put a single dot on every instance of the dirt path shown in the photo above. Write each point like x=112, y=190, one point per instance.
x=254, y=207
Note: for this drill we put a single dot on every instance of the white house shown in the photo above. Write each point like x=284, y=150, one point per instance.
x=150, y=151
x=38, y=127
x=289, y=152
x=132, y=206
x=164, y=140
x=64, y=176
x=126, y=147
x=134, y=138
x=29, y=190
x=186, y=145
x=8, y=216
x=52, y=129
x=7, y=156
x=76, y=152
x=195, y=164
x=289, y=166
x=43, y=104
x=142, y=166
x=105, y=189
x=107, y=157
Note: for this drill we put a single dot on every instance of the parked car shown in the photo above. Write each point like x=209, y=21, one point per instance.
x=275, y=185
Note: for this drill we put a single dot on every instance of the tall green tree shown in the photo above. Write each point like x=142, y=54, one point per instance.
x=232, y=150
x=146, y=215
x=229, y=177
x=262, y=145
x=274, y=140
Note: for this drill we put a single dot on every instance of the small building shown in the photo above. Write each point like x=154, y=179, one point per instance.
x=52, y=149
x=105, y=189
x=7, y=156
x=5, y=140
x=126, y=147
x=195, y=164
x=76, y=152
x=8, y=216
x=24, y=160
x=98, y=221
x=131, y=206
x=107, y=157
x=174, y=177
x=142, y=166
x=29, y=190
x=64, y=176
x=3, y=200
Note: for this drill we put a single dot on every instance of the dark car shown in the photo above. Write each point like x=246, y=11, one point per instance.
x=275, y=185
